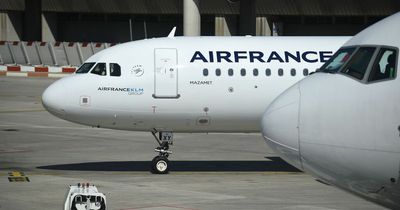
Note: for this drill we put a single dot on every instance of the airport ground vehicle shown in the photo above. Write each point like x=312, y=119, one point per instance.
x=84, y=196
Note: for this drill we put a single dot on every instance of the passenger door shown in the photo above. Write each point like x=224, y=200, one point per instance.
x=166, y=73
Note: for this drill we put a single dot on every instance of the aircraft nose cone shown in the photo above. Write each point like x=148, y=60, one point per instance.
x=53, y=99
x=280, y=126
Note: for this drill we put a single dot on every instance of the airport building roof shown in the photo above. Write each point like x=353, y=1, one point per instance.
x=223, y=7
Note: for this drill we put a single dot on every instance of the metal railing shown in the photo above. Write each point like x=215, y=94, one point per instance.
x=48, y=53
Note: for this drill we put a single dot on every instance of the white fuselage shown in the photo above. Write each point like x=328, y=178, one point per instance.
x=342, y=125
x=164, y=86
x=343, y=132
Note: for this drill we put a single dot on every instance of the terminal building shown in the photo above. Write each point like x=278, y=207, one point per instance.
x=116, y=21
x=64, y=33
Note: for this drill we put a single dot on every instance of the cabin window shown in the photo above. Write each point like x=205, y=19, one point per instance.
x=85, y=68
x=384, y=66
x=99, y=69
x=255, y=72
x=218, y=72
x=305, y=72
x=205, y=72
x=359, y=62
x=243, y=72
x=268, y=72
x=230, y=72
x=337, y=60
x=293, y=72
x=280, y=72
x=115, y=70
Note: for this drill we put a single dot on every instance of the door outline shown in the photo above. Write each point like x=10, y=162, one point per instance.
x=174, y=96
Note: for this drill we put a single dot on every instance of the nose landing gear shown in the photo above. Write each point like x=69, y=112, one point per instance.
x=160, y=163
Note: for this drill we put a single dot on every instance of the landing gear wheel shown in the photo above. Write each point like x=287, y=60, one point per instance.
x=160, y=165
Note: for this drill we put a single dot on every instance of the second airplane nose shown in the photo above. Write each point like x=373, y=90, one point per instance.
x=280, y=126
x=53, y=99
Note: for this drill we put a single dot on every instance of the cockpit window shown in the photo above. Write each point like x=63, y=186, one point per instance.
x=99, y=69
x=338, y=60
x=384, y=66
x=358, y=64
x=85, y=68
x=115, y=70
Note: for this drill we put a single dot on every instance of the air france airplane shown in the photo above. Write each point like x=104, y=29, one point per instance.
x=185, y=84
x=342, y=124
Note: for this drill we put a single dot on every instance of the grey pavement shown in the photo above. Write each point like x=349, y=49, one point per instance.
x=209, y=171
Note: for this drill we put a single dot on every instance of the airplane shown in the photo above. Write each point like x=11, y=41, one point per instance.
x=185, y=84
x=342, y=124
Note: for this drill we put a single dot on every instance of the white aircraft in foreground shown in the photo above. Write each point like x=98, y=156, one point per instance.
x=342, y=124
x=185, y=84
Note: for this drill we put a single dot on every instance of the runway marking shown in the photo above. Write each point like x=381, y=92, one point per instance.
x=17, y=176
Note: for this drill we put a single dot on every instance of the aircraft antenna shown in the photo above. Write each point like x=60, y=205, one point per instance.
x=172, y=33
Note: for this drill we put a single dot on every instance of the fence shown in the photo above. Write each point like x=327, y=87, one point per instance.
x=48, y=53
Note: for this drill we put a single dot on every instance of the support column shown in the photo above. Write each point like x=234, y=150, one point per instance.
x=225, y=26
x=191, y=18
x=263, y=27
x=10, y=26
x=247, y=19
x=49, y=27
x=33, y=20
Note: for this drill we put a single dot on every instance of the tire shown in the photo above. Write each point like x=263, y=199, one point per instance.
x=160, y=165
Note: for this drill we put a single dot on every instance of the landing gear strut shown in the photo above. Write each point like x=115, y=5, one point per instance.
x=160, y=163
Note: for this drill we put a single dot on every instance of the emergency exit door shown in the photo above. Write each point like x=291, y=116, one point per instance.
x=165, y=73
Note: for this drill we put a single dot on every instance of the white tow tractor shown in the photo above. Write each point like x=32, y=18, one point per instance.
x=84, y=197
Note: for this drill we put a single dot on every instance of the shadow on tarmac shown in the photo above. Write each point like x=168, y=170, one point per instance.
x=273, y=164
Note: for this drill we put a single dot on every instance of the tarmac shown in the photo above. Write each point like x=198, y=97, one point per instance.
x=209, y=171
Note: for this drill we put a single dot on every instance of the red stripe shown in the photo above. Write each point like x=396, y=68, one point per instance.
x=29, y=43
x=15, y=43
x=98, y=45
x=85, y=44
x=2, y=42
x=68, y=70
x=57, y=44
x=13, y=68
x=71, y=44
x=42, y=44
x=41, y=69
